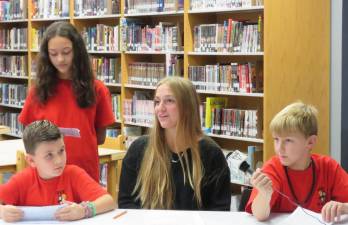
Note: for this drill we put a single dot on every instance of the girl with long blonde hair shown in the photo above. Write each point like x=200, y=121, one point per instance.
x=175, y=166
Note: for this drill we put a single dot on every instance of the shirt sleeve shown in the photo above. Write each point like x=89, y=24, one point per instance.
x=216, y=181
x=129, y=174
x=340, y=182
x=27, y=114
x=9, y=192
x=104, y=114
x=85, y=187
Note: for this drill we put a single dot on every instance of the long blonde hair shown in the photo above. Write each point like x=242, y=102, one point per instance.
x=154, y=186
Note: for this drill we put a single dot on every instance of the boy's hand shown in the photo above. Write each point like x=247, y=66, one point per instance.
x=262, y=182
x=332, y=210
x=10, y=213
x=71, y=212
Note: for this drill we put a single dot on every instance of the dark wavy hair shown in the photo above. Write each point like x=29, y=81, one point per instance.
x=82, y=74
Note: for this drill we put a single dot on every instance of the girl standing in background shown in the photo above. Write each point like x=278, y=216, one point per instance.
x=67, y=93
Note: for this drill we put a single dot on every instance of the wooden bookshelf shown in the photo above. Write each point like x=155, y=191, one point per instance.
x=295, y=56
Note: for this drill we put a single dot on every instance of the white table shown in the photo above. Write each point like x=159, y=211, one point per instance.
x=9, y=148
x=173, y=217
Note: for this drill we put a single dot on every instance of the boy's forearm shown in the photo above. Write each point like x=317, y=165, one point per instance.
x=104, y=203
x=261, y=206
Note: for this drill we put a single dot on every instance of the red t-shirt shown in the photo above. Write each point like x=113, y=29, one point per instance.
x=331, y=184
x=27, y=188
x=63, y=110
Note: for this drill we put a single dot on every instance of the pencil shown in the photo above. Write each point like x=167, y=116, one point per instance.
x=120, y=214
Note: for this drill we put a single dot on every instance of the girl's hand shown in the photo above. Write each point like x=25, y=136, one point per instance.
x=262, y=183
x=10, y=213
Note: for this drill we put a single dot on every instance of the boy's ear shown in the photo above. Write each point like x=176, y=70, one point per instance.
x=311, y=141
x=30, y=160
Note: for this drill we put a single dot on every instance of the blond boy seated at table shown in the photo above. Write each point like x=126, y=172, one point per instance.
x=313, y=181
x=49, y=181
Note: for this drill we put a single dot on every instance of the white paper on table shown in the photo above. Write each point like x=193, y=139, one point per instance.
x=38, y=213
x=70, y=132
x=304, y=216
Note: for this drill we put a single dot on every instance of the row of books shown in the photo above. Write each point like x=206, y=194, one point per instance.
x=13, y=65
x=145, y=73
x=235, y=122
x=36, y=37
x=101, y=38
x=11, y=120
x=13, y=10
x=217, y=118
x=13, y=94
x=223, y=4
x=231, y=36
x=137, y=36
x=14, y=38
x=148, y=6
x=43, y=9
x=233, y=77
x=139, y=109
x=107, y=69
x=116, y=105
x=96, y=7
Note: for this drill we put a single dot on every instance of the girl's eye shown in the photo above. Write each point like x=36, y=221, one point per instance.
x=156, y=102
x=67, y=52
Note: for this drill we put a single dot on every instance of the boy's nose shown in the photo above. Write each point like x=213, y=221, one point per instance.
x=279, y=147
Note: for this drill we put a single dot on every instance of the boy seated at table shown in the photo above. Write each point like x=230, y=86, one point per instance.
x=49, y=181
x=313, y=181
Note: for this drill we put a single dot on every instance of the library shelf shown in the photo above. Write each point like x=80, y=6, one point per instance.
x=14, y=50
x=155, y=52
x=227, y=10
x=11, y=106
x=15, y=21
x=136, y=86
x=110, y=16
x=104, y=52
x=244, y=139
x=226, y=53
x=50, y=19
x=113, y=84
x=256, y=95
x=169, y=13
x=14, y=77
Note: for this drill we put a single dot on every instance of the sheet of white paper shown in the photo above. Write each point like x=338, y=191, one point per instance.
x=33, y=213
x=304, y=216
x=71, y=132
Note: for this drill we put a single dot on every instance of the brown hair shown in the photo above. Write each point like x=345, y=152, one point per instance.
x=37, y=132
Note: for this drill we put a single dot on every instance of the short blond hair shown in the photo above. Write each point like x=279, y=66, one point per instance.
x=296, y=117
